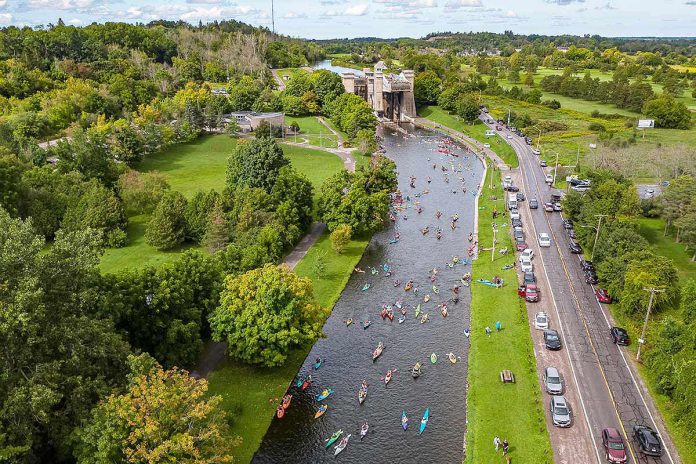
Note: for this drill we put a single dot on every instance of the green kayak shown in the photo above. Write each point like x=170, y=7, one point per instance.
x=334, y=437
x=433, y=358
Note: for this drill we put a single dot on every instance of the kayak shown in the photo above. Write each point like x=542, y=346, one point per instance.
x=306, y=383
x=286, y=401
x=317, y=364
x=364, y=429
x=365, y=287
x=333, y=438
x=374, y=271
x=323, y=395
x=424, y=421
x=362, y=394
x=436, y=290
x=366, y=324
x=390, y=314
x=402, y=319
x=408, y=286
x=342, y=445
x=378, y=351
x=426, y=298
x=424, y=319
x=349, y=322
x=321, y=411
x=416, y=370
x=444, y=311
x=387, y=377
x=433, y=358
x=398, y=304
x=299, y=382
x=404, y=420
x=452, y=358
x=280, y=412
x=466, y=333
x=418, y=310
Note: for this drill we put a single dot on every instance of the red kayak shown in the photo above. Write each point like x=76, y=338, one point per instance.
x=306, y=383
x=387, y=377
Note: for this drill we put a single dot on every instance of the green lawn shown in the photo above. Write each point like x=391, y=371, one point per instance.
x=251, y=394
x=476, y=131
x=313, y=131
x=197, y=166
x=652, y=229
x=510, y=411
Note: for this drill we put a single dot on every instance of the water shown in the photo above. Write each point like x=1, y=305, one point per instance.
x=346, y=351
x=326, y=64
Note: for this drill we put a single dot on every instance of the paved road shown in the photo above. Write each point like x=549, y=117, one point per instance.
x=279, y=80
x=610, y=391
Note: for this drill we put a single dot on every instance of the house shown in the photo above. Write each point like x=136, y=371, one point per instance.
x=248, y=121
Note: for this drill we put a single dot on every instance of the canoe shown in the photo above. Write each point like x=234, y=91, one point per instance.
x=444, y=311
x=366, y=324
x=321, y=411
x=349, y=322
x=404, y=420
x=342, y=445
x=363, y=430
x=424, y=421
x=383, y=313
x=398, y=304
x=317, y=364
x=286, y=401
x=408, y=286
x=402, y=319
x=433, y=358
x=362, y=395
x=333, y=438
x=390, y=314
x=387, y=377
x=452, y=358
x=424, y=319
x=416, y=370
x=374, y=271
x=323, y=395
x=306, y=383
x=280, y=412
x=426, y=298
x=378, y=351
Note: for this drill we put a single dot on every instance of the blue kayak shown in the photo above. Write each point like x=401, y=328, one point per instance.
x=317, y=364
x=404, y=420
x=424, y=421
x=323, y=395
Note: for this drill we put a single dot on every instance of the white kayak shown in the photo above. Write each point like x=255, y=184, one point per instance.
x=342, y=445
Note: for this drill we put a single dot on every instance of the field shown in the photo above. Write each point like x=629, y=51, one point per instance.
x=195, y=166
x=251, y=394
x=510, y=411
x=313, y=131
x=476, y=131
x=652, y=230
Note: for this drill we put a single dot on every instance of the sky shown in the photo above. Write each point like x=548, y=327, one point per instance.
x=322, y=19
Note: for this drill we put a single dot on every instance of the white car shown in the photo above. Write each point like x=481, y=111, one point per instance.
x=527, y=254
x=541, y=321
x=508, y=179
x=526, y=265
x=549, y=179
x=486, y=145
x=544, y=240
x=509, y=136
x=536, y=152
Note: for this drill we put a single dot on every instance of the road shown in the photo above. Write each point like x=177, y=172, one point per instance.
x=602, y=376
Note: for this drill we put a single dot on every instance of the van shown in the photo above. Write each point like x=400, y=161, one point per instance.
x=512, y=201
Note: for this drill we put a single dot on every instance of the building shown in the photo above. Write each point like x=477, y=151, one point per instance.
x=389, y=95
x=248, y=121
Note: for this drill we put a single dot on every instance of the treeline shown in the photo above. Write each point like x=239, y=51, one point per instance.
x=627, y=265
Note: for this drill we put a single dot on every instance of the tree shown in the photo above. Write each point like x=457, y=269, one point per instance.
x=326, y=85
x=529, y=79
x=677, y=199
x=668, y=112
x=427, y=88
x=514, y=76
x=319, y=264
x=11, y=170
x=686, y=231
x=365, y=142
x=198, y=211
x=141, y=191
x=266, y=312
x=255, y=163
x=217, y=231
x=294, y=187
x=468, y=107
x=340, y=238
x=162, y=416
x=167, y=227
x=658, y=272
x=98, y=209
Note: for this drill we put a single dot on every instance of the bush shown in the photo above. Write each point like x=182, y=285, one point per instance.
x=116, y=238
x=597, y=127
x=340, y=238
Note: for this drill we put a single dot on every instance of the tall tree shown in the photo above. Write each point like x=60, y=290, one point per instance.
x=167, y=227
x=255, y=164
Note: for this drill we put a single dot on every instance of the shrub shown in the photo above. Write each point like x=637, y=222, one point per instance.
x=341, y=237
x=597, y=127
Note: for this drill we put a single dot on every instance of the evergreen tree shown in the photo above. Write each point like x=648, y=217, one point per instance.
x=167, y=227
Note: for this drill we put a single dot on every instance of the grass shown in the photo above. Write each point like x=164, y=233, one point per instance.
x=195, y=166
x=251, y=394
x=476, y=131
x=510, y=411
x=652, y=229
x=313, y=131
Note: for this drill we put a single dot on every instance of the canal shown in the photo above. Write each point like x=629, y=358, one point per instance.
x=347, y=350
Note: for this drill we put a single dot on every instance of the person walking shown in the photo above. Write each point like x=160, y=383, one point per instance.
x=498, y=326
x=496, y=442
x=506, y=445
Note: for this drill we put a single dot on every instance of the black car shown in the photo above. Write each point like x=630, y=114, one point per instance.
x=551, y=340
x=533, y=203
x=517, y=222
x=571, y=233
x=575, y=248
x=591, y=276
x=619, y=336
x=529, y=278
x=520, y=196
x=648, y=440
x=567, y=224
x=513, y=188
x=586, y=265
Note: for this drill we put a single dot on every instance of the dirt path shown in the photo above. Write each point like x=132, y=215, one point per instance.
x=279, y=80
x=343, y=153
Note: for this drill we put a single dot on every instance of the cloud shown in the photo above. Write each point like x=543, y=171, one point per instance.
x=293, y=15
x=606, y=6
x=690, y=2
x=58, y=4
x=2, y=3
x=5, y=18
x=333, y=2
x=510, y=14
x=354, y=10
x=457, y=4
x=409, y=3
x=564, y=2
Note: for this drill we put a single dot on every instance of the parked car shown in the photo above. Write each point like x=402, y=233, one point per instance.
x=533, y=203
x=602, y=296
x=520, y=196
x=486, y=145
x=586, y=264
x=541, y=321
x=591, y=276
x=581, y=188
x=518, y=234
x=498, y=128
x=528, y=278
x=536, y=152
x=527, y=254
x=542, y=163
x=528, y=141
x=529, y=292
x=571, y=233
x=549, y=179
x=544, y=239
x=513, y=188
x=526, y=265
x=552, y=381
x=614, y=447
x=648, y=440
x=514, y=214
x=509, y=136
x=619, y=336
x=521, y=246
x=557, y=207
x=575, y=248
x=517, y=222
x=561, y=414
x=567, y=224
x=551, y=340
x=548, y=207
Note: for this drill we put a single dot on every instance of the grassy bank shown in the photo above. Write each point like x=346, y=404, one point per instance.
x=652, y=229
x=251, y=394
x=201, y=165
x=313, y=131
x=510, y=411
x=476, y=131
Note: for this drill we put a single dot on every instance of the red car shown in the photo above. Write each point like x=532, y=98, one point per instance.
x=529, y=292
x=614, y=447
x=521, y=246
x=602, y=296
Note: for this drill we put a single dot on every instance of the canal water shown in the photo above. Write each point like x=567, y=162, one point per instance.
x=347, y=350
x=326, y=64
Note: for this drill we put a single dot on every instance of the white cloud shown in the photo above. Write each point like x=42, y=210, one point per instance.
x=75, y=22
x=3, y=3
x=510, y=14
x=59, y=4
x=456, y=4
x=294, y=15
x=355, y=10
x=409, y=3
x=5, y=18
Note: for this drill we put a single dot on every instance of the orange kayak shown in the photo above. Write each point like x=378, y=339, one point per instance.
x=280, y=412
x=286, y=401
x=321, y=411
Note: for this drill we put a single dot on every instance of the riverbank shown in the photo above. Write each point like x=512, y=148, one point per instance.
x=509, y=411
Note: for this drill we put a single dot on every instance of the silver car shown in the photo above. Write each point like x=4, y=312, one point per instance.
x=561, y=414
x=552, y=381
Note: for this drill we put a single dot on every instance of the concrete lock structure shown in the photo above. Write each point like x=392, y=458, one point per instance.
x=389, y=95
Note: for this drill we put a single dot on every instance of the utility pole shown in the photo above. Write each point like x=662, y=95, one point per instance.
x=577, y=159
x=495, y=230
x=555, y=170
x=272, y=18
x=641, y=340
x=599, y=225
x=508, y=124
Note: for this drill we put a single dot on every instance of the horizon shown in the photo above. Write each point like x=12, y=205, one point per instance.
x=380, y=19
